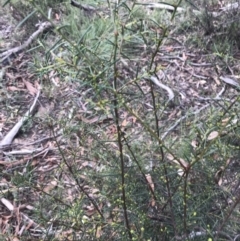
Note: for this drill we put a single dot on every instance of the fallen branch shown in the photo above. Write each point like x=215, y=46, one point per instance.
x=23, y=152
x=11, y=208
x=32, y=225
x=5, y=147
x=162, y=86
x=5, y=55
x=11, y=164
x=83, y=6
x=7, y=140
x=165, y=6
x=170, y=8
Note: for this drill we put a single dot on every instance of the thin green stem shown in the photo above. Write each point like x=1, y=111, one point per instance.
x=154, y=135
x=185, y=202
x=119, y=134
x=228, y=216
x=75, y=178
x=139, y=167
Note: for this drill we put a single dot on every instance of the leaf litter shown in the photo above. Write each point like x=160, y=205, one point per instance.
x=187, y=72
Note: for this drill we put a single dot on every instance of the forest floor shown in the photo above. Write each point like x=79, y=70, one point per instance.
x=200, y=79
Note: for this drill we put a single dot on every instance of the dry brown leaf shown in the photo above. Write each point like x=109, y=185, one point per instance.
x=53, y=78
x=64, y=234
x=180, y=172
x=7, y=203
x=201, y=82
x=212, y=135
x=184, y=56
x=14, y=88
x=10, y=76
x=30, y=224
x=124, y=123
x=150, y=182
x=98, y=232
x=32, y=90
x=15, y=239
x=90, y=210
x=111, y=130
x=180, y=162
x=90, y=121
x=57, y=80
x=229, y=81
x=170, y=157
x=227, y=162
x=225, y=121
x=220, y=181
x=218, y=176
x=152, y=202
x=232, y=122
x=216, y=80
x=44, y=111
x=37, y=85
x=169, y=49
x=183, y=163
x=50, y=186
x=57, y=16
x=172, y=114
x=194, y=144
x=95, y=190
x=90, y=164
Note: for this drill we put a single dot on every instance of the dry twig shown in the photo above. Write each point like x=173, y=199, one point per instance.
x=7, y=140
x=5, y=55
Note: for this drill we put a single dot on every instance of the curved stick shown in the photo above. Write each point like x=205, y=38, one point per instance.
x=7, y=140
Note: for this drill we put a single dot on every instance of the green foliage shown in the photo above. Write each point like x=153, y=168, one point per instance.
x=118, y=179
